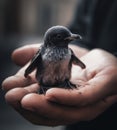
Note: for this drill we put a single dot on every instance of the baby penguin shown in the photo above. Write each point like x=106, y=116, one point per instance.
x=54, y=60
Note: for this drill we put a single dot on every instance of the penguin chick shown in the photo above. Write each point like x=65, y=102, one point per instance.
x=54, y=60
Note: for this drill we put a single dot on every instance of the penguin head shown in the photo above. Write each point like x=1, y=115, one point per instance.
x=59, y=36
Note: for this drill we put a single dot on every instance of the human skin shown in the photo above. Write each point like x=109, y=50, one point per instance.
x=96, y=89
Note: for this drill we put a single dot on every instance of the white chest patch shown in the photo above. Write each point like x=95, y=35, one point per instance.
x=56, y=65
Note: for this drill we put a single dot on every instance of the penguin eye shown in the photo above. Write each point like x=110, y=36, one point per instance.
x=58, y=36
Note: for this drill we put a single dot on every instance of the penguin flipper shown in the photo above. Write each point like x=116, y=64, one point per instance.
x=77, y=61
x=34, y=62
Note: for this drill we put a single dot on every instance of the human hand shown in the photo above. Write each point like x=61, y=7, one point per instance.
x=72, y=105
x=96, y=91
x=17, y=86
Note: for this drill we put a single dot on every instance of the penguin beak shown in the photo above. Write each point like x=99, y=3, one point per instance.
x=73, y=37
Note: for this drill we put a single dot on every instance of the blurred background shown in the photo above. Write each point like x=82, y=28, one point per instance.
x=24, y=22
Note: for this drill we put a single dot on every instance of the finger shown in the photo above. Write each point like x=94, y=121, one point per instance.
x=22, y=55
x=65, y=96
x=73, y=97
x=14, y=96
x=17, y=81
x=62, y=114
x=92, y=91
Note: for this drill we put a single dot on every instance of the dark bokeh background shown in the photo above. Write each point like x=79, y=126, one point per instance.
x=23, y=22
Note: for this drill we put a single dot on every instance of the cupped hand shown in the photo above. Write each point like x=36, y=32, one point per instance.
x=96, y=91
